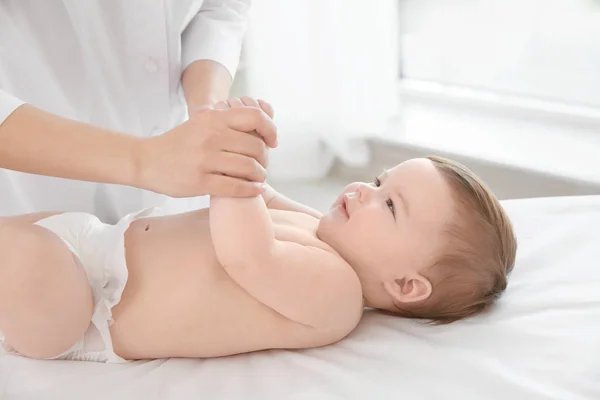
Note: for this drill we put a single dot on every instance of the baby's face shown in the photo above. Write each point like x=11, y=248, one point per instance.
x=390, y=229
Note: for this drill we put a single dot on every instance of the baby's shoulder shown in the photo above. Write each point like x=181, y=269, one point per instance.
x=333, y=266
x=315, y=254
x=320, y=252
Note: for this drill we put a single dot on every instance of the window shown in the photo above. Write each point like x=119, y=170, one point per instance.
x=539, y=49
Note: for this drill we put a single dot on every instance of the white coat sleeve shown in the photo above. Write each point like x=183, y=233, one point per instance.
x=216, y=33
x=8, y=104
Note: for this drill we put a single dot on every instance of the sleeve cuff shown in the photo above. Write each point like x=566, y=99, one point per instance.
x=215, y=35
x=8, y=104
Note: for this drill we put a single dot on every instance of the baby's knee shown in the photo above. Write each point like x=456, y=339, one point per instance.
x=28, y=259
x=45, y=299
x=21, y=250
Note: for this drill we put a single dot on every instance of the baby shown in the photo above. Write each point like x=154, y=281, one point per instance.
x=426, y=239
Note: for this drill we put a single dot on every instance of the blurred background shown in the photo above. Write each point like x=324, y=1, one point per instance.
x=511, y=88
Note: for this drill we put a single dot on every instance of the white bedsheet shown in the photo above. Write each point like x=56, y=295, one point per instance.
x=541, y=342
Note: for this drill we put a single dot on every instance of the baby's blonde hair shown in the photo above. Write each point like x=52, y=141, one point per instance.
x=479, y=249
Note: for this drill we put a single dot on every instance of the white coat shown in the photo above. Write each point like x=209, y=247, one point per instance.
x=115, y=64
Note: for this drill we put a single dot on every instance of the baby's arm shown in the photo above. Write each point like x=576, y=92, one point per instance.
x=304, y=284
x=277, y=201
x=241, y=229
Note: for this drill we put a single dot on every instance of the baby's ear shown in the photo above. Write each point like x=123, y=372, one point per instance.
x=409, y=289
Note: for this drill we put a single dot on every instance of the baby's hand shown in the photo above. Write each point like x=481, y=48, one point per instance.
x=268, y=194
x=245, y=101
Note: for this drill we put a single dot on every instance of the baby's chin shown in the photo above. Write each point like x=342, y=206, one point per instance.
x=326, y=228
x=321, y=227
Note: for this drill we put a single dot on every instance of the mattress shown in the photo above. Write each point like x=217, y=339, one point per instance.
x=541, y=341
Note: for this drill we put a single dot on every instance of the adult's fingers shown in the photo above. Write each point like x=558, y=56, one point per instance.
x=221, y=105
x=245, y=101
x=248, y=119
x=226, y=186
x=234, y=102
x=266, y=107
x=238, y=166
x=248, y=144
x=263, y=105
x=250, y=102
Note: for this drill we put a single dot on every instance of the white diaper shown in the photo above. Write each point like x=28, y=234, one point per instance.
x=100, y=249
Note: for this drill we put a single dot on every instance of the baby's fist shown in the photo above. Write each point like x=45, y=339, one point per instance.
x=245, y=101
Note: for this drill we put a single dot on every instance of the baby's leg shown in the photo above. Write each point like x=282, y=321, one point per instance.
x=45, y=298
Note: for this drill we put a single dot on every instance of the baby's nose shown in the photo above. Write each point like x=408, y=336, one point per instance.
x=364, y=192
x=351, y=188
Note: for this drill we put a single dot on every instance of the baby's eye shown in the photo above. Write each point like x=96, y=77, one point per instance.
x=390, y=205
x=377, y=182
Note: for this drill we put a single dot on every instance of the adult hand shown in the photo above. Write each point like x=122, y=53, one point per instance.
x=211, y=153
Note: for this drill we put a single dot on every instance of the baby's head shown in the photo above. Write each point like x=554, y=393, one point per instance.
x=427, y=239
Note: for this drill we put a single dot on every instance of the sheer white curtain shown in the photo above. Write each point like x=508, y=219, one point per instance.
x=330, y=69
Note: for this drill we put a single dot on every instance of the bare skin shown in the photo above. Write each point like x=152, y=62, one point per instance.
x=180, y=302
x=246, y=275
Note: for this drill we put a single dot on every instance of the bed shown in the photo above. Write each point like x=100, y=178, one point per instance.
x=542, y=341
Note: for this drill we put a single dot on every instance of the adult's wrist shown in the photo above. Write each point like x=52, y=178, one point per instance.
x=141, y=152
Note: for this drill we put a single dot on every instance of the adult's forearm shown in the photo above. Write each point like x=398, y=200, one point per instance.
x=205, y=82
x=37, y=142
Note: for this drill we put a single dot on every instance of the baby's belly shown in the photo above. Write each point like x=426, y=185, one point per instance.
x=179, y=302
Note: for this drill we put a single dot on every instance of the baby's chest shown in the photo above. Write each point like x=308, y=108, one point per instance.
x=293, y=227
x=296, y=234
